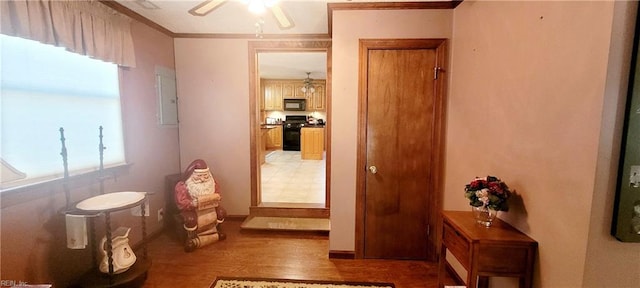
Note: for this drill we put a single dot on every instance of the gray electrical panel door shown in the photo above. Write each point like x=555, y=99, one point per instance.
x=167, y=96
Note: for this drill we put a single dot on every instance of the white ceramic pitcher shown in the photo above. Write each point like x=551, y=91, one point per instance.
x=123, y=256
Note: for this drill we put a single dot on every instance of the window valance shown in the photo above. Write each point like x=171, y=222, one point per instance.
x=86, y=27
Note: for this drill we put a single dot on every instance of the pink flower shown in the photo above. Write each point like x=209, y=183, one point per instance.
x=489, y=191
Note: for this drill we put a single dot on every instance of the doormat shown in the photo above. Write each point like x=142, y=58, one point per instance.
x=239, y=282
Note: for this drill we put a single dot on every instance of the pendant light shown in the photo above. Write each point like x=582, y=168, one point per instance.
x=308, y=86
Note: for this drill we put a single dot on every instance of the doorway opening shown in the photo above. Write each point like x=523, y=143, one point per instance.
x=290, y=182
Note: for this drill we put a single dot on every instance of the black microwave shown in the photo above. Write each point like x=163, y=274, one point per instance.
x=294, y=104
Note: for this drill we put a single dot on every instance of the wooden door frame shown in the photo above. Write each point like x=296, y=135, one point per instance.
x=256, y=47
x=440, y=46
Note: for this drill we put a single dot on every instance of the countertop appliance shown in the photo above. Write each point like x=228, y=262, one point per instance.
x=272, y=121
x=291, y=132
x=294, y=104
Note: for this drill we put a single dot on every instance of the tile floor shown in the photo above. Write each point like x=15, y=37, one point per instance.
x=287, y=178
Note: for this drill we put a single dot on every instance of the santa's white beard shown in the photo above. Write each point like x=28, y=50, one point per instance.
x=200, y=188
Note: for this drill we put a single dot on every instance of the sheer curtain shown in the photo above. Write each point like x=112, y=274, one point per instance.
x=85, y=27
x=44, y=88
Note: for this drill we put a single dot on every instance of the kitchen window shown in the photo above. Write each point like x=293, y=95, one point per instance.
x=44, y=88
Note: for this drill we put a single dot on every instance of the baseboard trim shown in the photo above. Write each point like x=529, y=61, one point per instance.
x=336, y=254
x=238, y=218
x=289, y=212
x=150, y=237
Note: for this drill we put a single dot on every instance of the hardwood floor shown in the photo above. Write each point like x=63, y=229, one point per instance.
x=270, y=255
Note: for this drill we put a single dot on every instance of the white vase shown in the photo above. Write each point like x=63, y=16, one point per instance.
x=484, y=215
x=122, y=255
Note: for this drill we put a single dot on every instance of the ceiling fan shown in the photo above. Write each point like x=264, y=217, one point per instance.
x=255, y=6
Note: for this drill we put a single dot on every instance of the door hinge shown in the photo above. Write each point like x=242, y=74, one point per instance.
x=428, y=230
x=436, y=71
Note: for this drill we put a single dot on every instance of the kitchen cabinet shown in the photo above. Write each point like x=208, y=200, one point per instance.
x=262, y=144
x=312, y=143
x=274, y=137
x=262, y=96
x=273, y=91
x=277, y=96
x=272, y=95
x=288, y=89
x=317, y=101
x=298, y=90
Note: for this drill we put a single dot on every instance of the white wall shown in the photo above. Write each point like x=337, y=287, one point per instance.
x=534, y=93
x=214, y=111
x=538, y=68
x=213, y=91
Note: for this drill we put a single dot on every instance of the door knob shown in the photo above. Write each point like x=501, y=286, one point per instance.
x=373, y=169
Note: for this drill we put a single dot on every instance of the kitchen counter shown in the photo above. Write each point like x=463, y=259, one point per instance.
x=313, y=126
x=312, y=142
x=271, y=136
x=269, y=126
x=262, y=144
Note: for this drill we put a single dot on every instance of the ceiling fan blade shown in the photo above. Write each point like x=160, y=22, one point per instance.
x=284, y=21
x=206, y=7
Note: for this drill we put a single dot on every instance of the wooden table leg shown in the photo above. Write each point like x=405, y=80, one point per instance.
x=525, y=282
x=483, y=282
x=441, y=266
x=472, y=279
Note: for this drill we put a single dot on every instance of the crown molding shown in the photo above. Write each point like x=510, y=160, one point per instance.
x=252, y=36
x=331, y=7
x=134, y=15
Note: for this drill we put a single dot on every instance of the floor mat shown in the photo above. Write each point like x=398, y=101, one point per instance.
x=231, y=282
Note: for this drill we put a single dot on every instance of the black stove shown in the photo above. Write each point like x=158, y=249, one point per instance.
x=295, y=121
x=291, y=132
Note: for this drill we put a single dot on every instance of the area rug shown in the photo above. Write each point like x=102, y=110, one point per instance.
x=235, y=282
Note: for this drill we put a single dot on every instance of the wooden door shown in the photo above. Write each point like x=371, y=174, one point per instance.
x=401, y=145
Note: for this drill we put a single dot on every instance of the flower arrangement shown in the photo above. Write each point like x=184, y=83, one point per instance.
x=489, y=192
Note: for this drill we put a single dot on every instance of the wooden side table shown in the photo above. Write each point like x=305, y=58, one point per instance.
x=137, y=273
x=499, y=250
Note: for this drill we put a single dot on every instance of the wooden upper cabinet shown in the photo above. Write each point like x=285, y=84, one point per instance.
x=272, y=95
x=267, y=93
x=277, y=96
x=318, y=98
x=274, y=91
x=288, y=89
x=262, y=95
x=298, y=90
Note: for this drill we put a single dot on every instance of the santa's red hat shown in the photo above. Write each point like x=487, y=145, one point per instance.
x=196, y=164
